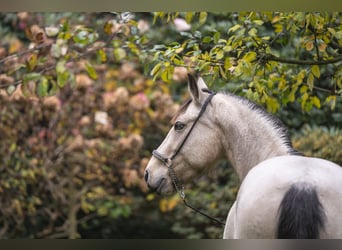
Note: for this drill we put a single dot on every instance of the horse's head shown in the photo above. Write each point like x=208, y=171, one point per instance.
x=189, y=148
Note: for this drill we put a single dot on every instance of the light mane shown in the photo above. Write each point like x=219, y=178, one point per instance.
x=274, y=121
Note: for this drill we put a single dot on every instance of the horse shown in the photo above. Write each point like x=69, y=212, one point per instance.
x=283, y=194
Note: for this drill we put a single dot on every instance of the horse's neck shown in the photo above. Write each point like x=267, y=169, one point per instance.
x=249, y=137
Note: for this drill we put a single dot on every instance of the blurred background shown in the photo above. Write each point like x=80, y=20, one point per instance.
x=86, y=97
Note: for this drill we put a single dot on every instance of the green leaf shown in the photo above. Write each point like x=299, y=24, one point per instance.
x=60, y=67
x=258, y=22
x=272, y=104
x=186, y=34
x=166, y=75
x=253, y=32
x=219, y=54
x=119, y=53
x=250, y=56
x=156, y=69
x=202, y=17
x=310, y=81
x=216, y=37
x=102, y=55
x=91, y=71
x=304, y=99
x=32, y=62
x=234, y=28
x=338, y=35
x=207, y=39
x=62, y=78
x=43, y=87
x=315, y=71
x=316, y=102
x=32, y=77
x=188, y=17
x=331, y=100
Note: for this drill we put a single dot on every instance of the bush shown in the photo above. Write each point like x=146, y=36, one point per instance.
x=321, y=142
x=79, y=156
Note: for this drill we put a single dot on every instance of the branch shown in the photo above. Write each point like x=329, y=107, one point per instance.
x=19, y=54
x=269, y=57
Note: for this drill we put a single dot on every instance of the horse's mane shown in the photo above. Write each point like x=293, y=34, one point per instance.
x=274, y=121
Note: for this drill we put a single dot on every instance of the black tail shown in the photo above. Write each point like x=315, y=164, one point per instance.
x=301, y=215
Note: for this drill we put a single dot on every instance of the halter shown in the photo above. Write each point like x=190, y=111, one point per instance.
x=168, y=162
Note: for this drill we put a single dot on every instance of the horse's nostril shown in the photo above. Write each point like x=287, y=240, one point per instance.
x=146, y=175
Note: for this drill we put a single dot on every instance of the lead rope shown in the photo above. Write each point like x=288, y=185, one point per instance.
x=180, y=189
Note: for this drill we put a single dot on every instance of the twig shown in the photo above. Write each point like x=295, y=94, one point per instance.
x=38, y=47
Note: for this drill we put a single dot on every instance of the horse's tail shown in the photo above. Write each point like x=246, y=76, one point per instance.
x=301, y=214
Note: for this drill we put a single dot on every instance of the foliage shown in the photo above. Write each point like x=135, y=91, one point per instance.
x=86, y=97
x=71, y=157
x=320, y=142
x=272, y=58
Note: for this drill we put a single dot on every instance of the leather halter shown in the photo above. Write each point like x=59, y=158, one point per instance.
x=168, y=161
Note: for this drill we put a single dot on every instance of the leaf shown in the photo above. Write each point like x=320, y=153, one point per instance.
x=102, y=55
x=219, y=54
x=253, y=32
x=60, y=67
x=316, y=102
x=10, y=89
x=338, y=35
x=156, y=69
x=331, y=100
x=166, y=75
x=315, y=71
x=32, y=77
x=216, y=37
x=310, y=81
x=234, y=28
x=43, y=87
x=81, y=37
x=250, y=56
x=32, y=62
x=258, y=22
x=203, y=17
x=304, y=99
x=186, y=34
x=272, y=104
x=188, y=17
x=62, y=78
x=119, y=53
x=91, y=71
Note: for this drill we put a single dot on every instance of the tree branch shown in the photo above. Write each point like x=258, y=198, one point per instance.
x=269, y=57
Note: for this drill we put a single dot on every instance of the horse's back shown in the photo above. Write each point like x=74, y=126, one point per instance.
x=263, y=189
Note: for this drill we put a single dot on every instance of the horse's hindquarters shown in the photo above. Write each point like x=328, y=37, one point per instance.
x=263, y=189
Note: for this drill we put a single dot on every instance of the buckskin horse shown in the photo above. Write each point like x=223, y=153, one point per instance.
x=283, y=194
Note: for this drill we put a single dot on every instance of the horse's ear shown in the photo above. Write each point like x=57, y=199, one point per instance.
x=197, y=89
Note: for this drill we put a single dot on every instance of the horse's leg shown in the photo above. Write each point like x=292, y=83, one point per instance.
x=230, y=223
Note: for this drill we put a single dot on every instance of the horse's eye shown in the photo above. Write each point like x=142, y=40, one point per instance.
x=179, y=126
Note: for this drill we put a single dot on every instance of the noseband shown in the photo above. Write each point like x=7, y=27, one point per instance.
x=168, y=161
